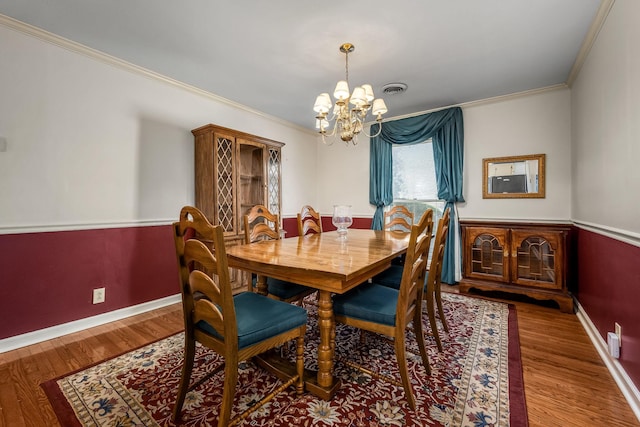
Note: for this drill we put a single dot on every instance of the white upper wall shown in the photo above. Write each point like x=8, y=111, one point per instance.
x=343, y=177
x=90, y=141
x=528, y=124
x=605, y=109
x=534, y=124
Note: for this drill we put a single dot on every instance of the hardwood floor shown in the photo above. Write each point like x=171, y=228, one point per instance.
x=566, y=382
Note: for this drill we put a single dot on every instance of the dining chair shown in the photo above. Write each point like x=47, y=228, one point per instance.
x=309, y=220
x=236, y=327
x=388, y=311
x=397, y=218
x=260, y=224
x=434, y=278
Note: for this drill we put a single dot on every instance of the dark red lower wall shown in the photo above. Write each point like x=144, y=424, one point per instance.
x=609, y=292
x=47, y=279
x=290, y=225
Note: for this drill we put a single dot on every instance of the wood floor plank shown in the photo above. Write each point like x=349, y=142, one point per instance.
x=566, y=382
x=10, y=409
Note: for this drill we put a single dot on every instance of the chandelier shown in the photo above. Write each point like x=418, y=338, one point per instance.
x=348, y=122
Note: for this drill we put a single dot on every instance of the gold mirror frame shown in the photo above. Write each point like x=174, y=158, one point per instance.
x=502, y=171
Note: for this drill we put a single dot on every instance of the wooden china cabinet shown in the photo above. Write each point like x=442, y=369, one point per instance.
x=233, y=172
x=521, y=258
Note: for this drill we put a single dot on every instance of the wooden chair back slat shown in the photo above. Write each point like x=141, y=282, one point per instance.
x=398, y=217
x=412, y=283
x=260, y=224
x=434, y=278
x=309, y=220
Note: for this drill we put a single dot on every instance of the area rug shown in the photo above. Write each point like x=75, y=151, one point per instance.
x=476, y=381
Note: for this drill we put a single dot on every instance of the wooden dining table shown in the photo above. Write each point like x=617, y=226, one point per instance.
x=328, y=262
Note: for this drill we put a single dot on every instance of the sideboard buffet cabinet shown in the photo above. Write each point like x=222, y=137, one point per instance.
x=518, y=258
x=233, y=172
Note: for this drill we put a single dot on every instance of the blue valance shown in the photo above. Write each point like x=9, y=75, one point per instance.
x=445, y=128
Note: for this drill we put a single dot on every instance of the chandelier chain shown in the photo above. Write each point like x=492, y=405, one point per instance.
x=346, y=67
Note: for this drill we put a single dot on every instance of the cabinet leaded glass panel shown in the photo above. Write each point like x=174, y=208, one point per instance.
x=536, y=260
x=273, y=173
x=486, y=255
x=225, y=184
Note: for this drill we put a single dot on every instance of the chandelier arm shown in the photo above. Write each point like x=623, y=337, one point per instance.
x=330, y=119
x=333, y=130
x=328, y=142
x=377, y=133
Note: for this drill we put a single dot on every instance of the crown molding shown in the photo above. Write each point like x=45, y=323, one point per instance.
x=590, y=39
x=81, y=49
x=479, y=102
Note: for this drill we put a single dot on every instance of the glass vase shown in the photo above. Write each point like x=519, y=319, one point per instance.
x=342, y=218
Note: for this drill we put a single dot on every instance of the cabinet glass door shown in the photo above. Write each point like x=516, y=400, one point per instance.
x=225, y=161
x=486, y=254
x=535, y=259
x=251, y=177
x=273, y=177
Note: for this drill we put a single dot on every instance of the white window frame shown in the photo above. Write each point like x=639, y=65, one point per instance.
x=418, y=206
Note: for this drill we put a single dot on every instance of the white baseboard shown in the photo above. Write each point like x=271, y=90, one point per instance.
x=34, y=337
x=627, y=387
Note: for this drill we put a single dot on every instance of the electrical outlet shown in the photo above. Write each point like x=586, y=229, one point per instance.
x=98, y=295
x=619, y=333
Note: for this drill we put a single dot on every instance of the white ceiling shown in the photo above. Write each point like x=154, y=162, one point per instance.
x=276, y=56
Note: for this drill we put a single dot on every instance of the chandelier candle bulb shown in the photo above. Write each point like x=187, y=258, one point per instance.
x=368, y=91
x=358, y=98
x=379, y=107
x=342, y=91
x=323, y=103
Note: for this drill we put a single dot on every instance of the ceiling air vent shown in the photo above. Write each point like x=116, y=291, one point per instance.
x=394, y=88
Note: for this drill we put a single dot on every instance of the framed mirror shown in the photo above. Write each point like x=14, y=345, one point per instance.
x=513, y=177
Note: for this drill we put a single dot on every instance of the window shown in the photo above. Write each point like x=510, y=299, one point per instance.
x=414, y=180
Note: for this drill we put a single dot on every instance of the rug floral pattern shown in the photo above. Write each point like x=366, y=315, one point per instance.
x=468, y=386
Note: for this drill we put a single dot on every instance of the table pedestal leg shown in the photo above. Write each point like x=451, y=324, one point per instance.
x=261, y=285
x=324, y=385
x=325, y=349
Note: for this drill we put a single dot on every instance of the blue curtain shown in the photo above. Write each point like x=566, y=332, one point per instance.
x=445, y=128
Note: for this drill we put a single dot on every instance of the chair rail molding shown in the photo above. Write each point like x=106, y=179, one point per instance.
x=79, y=226
x=611, y=232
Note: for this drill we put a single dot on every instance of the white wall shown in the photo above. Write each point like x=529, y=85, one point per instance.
x=90, y=140
x=606, y=126
x=528, y=124
x=534, y=124
x=343, y=177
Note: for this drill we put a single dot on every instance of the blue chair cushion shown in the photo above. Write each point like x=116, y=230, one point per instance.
x=391, y=277
x=260, y=318
x=282, y=289
x=399, y=260
x=370, y=302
